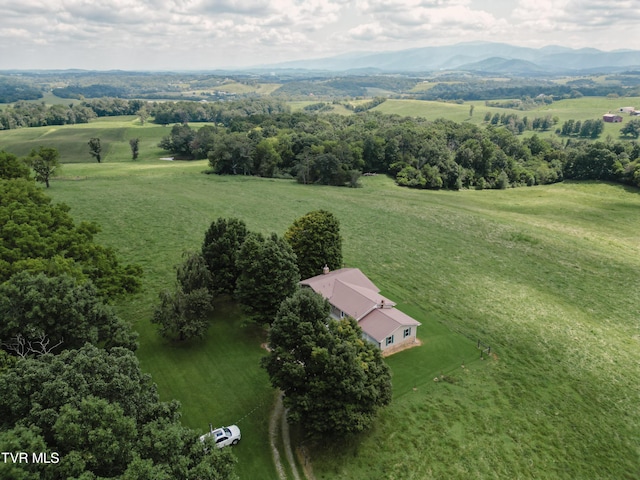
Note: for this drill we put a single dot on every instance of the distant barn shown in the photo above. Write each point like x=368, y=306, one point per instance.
x=611, y=118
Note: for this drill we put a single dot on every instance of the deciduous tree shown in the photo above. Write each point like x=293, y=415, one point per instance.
x=315, y=238
x=179, y=140
x=103, y=416
x=632, y=128
x=60, y=309
x=44, y=162
x=334, y=382
x=12, y=167
x=204, y=141
x=95, y=149
x=220, y=249
x=233, y=154
x=183, y=313
x=134, y=143
x=268, y=275
x=39, y=236
x=142, y=114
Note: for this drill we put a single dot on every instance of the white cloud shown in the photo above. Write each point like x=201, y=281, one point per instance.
x=235, y=32
x=418, y=21
x=368, y=32
x=576, y=15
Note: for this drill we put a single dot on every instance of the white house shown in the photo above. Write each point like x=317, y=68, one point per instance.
x=352, y=294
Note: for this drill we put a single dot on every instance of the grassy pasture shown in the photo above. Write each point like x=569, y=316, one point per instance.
x=548, y=276
x=298, y=105
x=260, y=88
x=584, y=108
x=72, y=140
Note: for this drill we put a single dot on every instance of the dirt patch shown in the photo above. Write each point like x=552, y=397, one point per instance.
x=404, y=346
x=305, y=461
x=276, y=414
x=286, y=440
x=278, y=426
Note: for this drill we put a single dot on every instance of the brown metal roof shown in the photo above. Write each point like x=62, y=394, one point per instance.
x=382, y=322
x=324, y=283
x=349, y=290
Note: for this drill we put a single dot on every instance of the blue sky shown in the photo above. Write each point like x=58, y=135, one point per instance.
x=207, y=34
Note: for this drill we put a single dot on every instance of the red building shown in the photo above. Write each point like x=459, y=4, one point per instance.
x=611, y=118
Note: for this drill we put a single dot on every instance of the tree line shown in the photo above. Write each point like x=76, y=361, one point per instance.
x=71, y=389
x=38, y=114
x=335, y=150
x=257, y=271
x=520, y=89
x=13, y=90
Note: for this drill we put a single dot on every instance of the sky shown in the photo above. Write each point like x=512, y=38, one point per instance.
x=211, y=34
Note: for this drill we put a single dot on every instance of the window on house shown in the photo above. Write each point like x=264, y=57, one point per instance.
x=407, y=332
x=389, y=340
x=341, y=314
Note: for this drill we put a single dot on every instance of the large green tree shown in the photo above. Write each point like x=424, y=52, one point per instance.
x=184, y=312
x=179, y=140
x=316, y=241
x=183, y=315
x=44, y=161
x=268, y=275
x=220, y=249
x=40, y=312
x=12, y=167
x=204, y=141
x=233, y=154
x=39, y=236
x=334, y=382
x=632, y=128
x=103, y=417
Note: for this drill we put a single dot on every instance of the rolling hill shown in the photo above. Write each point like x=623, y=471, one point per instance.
x=469, y=56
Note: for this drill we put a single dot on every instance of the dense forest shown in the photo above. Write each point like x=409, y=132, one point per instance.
x=12, y=90
x=28, y=114
x=335, y=150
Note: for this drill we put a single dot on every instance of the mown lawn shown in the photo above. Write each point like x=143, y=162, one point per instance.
x=547, y=276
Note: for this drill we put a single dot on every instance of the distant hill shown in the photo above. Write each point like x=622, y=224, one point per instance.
x=506, y=66
x=476, y=57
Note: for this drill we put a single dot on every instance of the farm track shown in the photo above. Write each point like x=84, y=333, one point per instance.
x=278, y=419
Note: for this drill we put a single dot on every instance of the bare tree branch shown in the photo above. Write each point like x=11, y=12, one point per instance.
x=22, y=347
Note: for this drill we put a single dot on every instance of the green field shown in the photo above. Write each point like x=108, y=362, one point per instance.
x=548, y=276
x=584, y=108
x=72, y=140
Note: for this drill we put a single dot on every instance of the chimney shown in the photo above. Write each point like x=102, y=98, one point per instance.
x=325, y=269
x=382, y=303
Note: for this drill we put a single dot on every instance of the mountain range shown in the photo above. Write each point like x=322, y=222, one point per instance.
x=477, y=57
